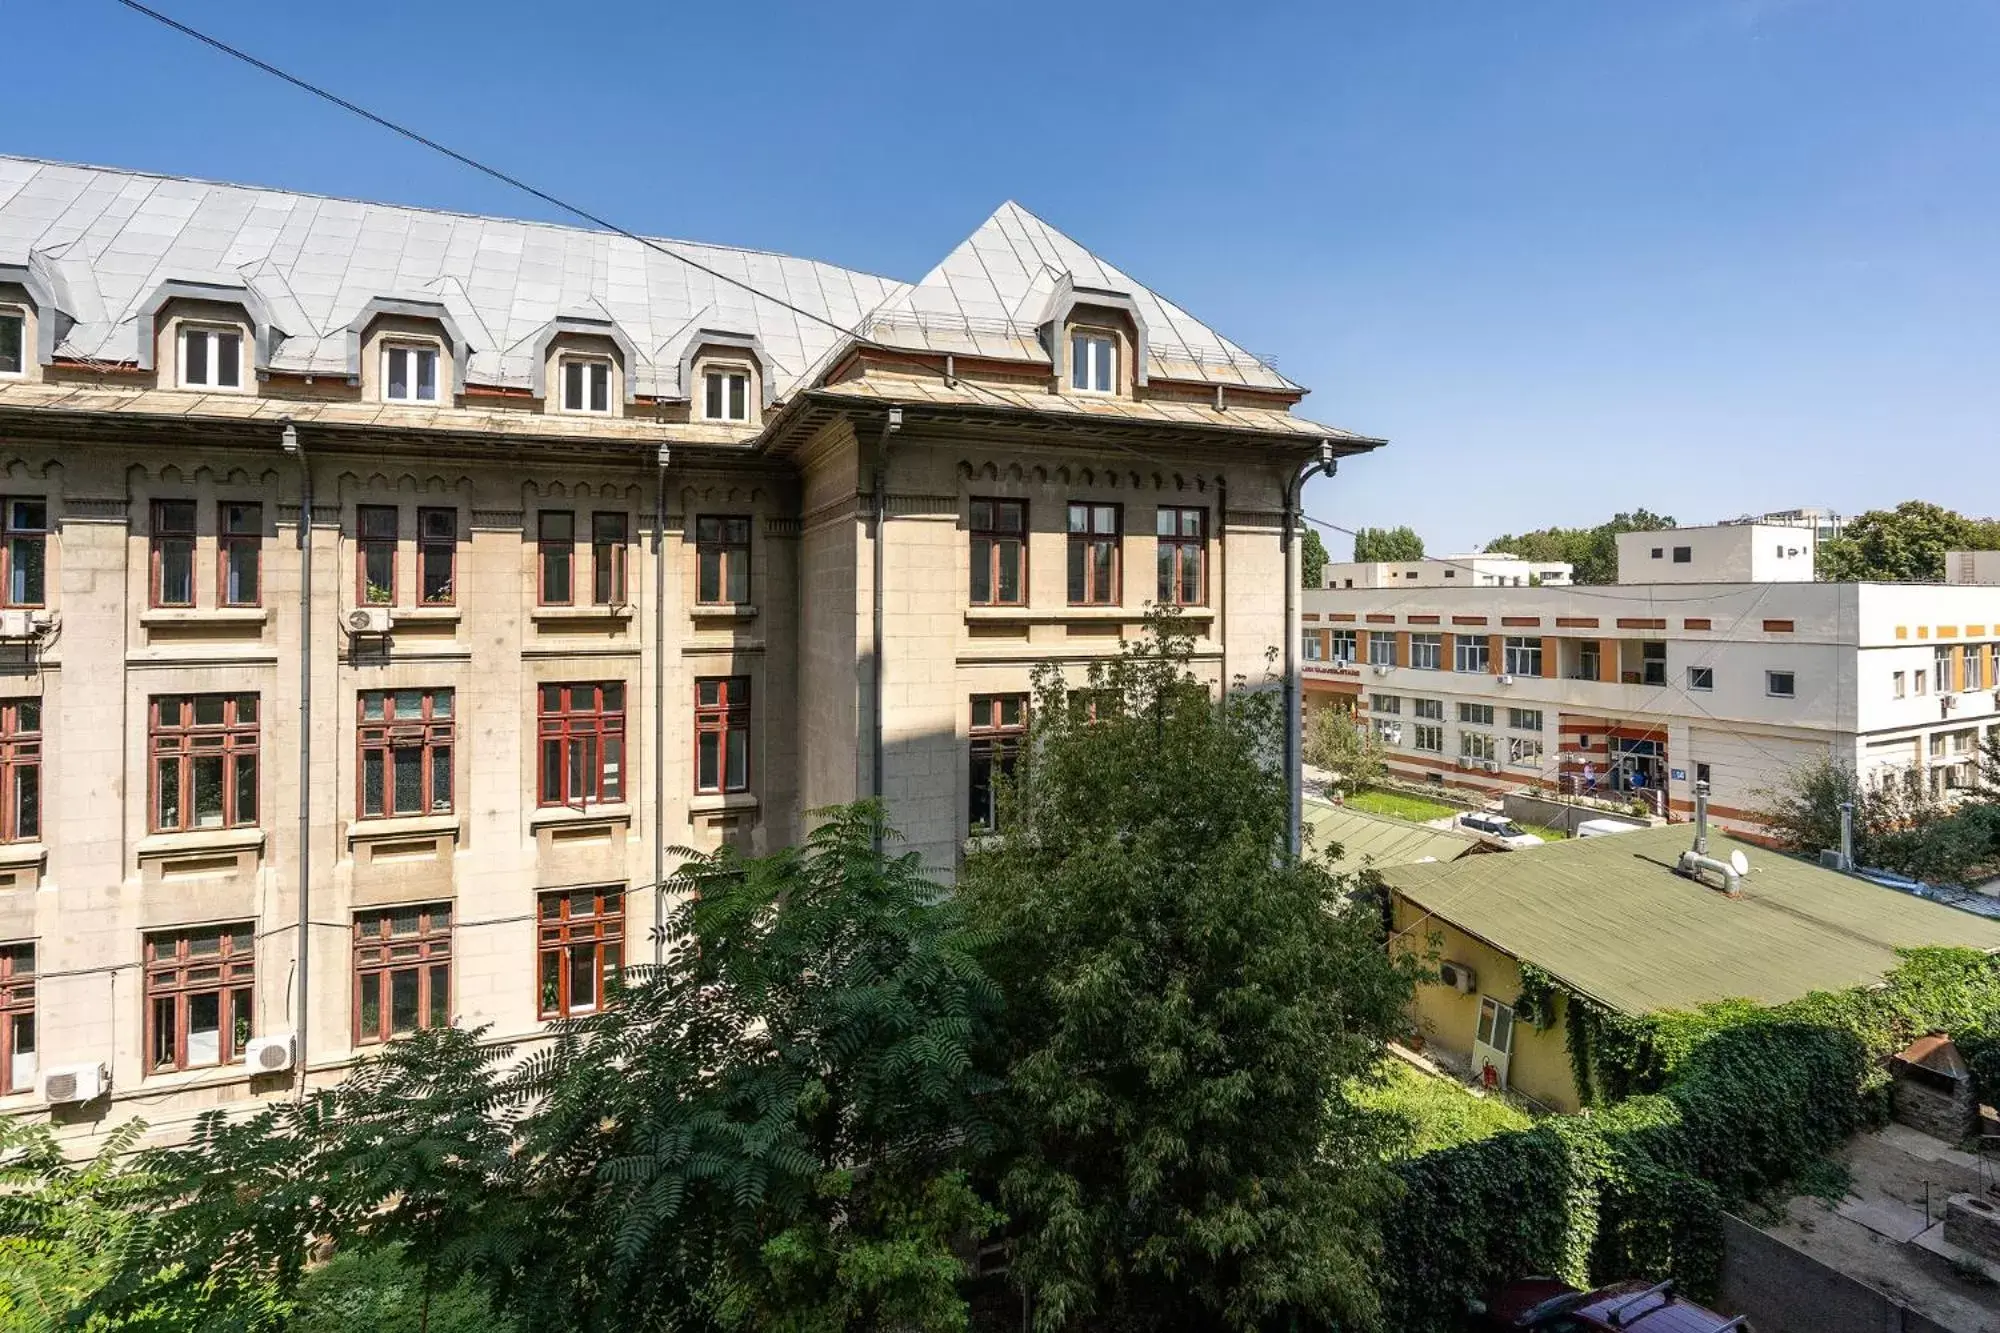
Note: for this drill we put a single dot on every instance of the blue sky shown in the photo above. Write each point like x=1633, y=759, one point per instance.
x=1705, y=256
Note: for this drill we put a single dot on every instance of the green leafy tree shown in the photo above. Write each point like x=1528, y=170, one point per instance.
x=1312, y=559
x=768, y=1132
x=1353, y=754
x=1906, y=544
x=1899, y=825
x=1388, y=544
x=1592, y=551
x=1185, y=1006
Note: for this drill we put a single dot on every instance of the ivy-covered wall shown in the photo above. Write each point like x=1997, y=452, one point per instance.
x=1697, y=1112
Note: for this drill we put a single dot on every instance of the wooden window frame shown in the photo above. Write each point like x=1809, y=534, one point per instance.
x=17, y=1009
x=183, y=742
x=12, y=534
x=428, y=731
x=562, y=932
x=567, y=725
x=1083, y=574
x=443, y=544
x=171, y=541
x=368, y=543
x=549, y=549
x=380, y=953
x=726, y=714
x=610, y=537
x=995, y=746
x=229, y=540
x=989, y=538
x=20, y=756
x=717, y=540
x=167, y=978
x=1177, y=546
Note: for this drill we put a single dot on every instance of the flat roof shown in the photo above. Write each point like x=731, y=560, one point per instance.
x=1364, y=839
x=1612, y=919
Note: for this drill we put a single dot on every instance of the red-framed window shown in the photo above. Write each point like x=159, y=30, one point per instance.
x=18, y=1064
x=1095, y=564
x=721, y=734
x=20, y=770
x=555, y=540
x=607, y=559
x=1183, y=537
x=402, y=971
x=173, y=553
x=580, y=948
x=582, y=733
x=437, y=556
x=999, y=724
x=24, y=551
x=999, y=531
x=239, y=553
x=198, y=985
x=375, y=554
x=405, y=743
x=722, y=560
x=204, y=752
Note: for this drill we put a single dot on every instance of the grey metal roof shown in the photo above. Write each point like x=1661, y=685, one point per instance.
x=114, y=238
x=107, y=243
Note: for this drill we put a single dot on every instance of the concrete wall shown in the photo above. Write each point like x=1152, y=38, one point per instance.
x=1784, y=1290
x=1722, y=553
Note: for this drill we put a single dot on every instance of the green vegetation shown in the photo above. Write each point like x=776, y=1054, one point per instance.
x=1185, y=1013
x=1352, y=753
x=1904, y=544
x=1312, y=559
x=1416, y=809
x=1388, y=544
x=1435, y=1113
x=1593, y=551
x=1898, y=826
x=1546, y=832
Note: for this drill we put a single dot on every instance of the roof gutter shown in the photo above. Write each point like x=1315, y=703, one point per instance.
x=1288, y=539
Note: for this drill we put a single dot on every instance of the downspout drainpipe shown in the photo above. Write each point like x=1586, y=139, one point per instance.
x=890, y=425
x=660, y=709
x=290, y=441
x=1288, y=539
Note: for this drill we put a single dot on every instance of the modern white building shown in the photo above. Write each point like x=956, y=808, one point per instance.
x=1972, y=567
x=1720, y=553
x=1644, y=689
x=1479, y=570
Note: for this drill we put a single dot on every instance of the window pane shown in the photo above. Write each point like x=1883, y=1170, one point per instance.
x=440, y=1015
x=242, y=579
x=614, y=697
x=441, y=779
x=739, y=758
x=582, y=768
x=1100, y=556
x=371, y=782
x=982, y=569
x=228, y=360
x=582, y=978
x=1077, y=556
x=1079, y=355
x=614, y=767
x=23, y=1039
x=409, y=766
x=403, y=1000
x=399, y=372
x=739, y=575
x=551, y=771
x=573, y=386
x=26, y=583
x=177, y=572
x=207, y=771
x=28, y=801
x=435, y=572
x=600, y=388
x=707, y=749
x=163, y=1032
x=13, y=356
x=1166, y=569
x=371, y=1007
x=194, y=356
x=246, y=789
x=1191, y=575
x=739, y=407
x=555, y=574
x=1010, y=571
x=427, y=370
x=167, y=788
x=204, y=1044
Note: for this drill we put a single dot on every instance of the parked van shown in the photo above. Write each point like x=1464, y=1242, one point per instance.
x=1498, y=830
x=1599, y=828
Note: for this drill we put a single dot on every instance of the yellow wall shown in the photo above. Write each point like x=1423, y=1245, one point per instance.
x=1540, y=1065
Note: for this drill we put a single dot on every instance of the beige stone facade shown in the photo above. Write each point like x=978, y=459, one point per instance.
x=516, y=660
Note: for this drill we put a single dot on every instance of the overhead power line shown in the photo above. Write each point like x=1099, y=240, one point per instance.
x=463, y=159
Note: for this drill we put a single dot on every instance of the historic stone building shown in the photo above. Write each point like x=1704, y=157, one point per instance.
x=608, y=546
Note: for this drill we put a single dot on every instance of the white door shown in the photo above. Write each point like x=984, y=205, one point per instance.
x=1493, y=1042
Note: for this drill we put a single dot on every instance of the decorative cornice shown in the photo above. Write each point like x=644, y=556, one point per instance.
x=497, y=520
x=782, y=527
x=95, y=509
x=908, y=505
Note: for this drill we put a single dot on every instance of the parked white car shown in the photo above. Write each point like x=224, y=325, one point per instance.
x=1601, y=828
x=1498, y=830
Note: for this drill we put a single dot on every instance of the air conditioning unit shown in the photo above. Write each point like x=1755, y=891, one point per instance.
x=1459, y=977
x=1506, y=680
x=1381, y=668
x=75, y=1083
x=18, y=625
x=268, y=1055
x=1949, y=702
x=1492, y=766
x=368, y=620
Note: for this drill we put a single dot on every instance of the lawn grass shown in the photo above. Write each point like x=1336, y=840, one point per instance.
x=1414, y=808
x=1439, y=1112
x=1542, y=831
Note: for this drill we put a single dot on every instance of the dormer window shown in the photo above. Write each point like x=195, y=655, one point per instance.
x=586, y=384
x=726, y=395
x=211, y=358
x=13, y=342
x=1093, y=363
x=409, y=373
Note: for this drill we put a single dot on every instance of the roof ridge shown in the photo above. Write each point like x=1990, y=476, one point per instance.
x=431, y=209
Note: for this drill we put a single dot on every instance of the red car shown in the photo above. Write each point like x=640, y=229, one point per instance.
x=1549, y=1305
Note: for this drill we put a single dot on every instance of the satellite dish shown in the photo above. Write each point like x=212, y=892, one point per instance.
x=1739, y=862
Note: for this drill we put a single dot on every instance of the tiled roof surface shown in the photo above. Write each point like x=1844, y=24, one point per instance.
x=1610, y=917
x=1349, y=840
x=109, y=239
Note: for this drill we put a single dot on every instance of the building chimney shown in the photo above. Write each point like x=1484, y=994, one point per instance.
x=1701, y=819
x=1697, y=860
